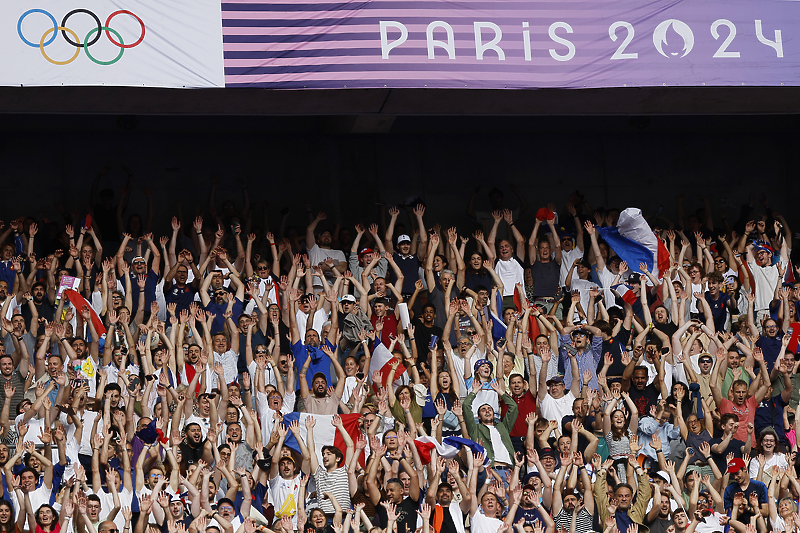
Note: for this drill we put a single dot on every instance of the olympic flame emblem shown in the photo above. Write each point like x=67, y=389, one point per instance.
x=72, y=38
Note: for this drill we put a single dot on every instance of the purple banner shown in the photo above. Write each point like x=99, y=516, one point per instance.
x=482, y=44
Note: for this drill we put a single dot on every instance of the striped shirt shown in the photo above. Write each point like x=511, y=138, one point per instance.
x=583, y=523
x=337, y=483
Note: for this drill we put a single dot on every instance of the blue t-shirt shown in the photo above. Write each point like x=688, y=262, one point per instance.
x=219, y=310
x=149, y=290
x=719, y=309
x=754, y=487
x=769, y=413
x=182, y=297
x=319, y=361
x=771, y=348
x=530, y=515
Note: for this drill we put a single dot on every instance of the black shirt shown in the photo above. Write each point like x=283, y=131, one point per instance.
x=422, y=335
x=545, y=278
x=734, y=447
x=45, y=310
x=406, y=515
x=614, y=347
x=644, y=399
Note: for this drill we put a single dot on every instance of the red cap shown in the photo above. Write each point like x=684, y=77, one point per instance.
x=545, y=214
x=736, y=465
x=365, y=251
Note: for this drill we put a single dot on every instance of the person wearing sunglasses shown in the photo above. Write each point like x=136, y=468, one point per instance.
x=177, y=288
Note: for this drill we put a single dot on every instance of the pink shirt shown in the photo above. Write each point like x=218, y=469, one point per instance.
x=746, y=414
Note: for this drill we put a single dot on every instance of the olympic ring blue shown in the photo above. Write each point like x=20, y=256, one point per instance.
x=42, y=11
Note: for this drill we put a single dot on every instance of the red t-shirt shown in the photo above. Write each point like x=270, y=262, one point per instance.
x=746, y=414
x=526, y=404
x=389, y=327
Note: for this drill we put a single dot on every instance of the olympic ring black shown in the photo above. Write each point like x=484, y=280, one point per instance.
x=96, y=37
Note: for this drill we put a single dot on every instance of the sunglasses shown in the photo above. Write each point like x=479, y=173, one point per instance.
x=262, y=268
x=261, y=351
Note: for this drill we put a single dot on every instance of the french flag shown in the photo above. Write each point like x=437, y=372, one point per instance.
x=634, y=242
x=80, y=302
x=448, y=448
x=381, y=361
x=521, y=302
x=325, y=433
x=625, y=292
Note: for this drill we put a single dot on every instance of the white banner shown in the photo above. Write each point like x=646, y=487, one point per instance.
x=151, y=43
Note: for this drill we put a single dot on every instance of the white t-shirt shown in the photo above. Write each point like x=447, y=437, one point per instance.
x=349, y=386
x=265, y=414
x=107, y=505
x=147, y=492
x=777, y=525
x=777, y=459
x=320, y=317
x=710, y=525
x=765, y=279
x=38, y=497
x=228, y=360
x=511, y=273
x=582, y=286
x=458, y=370
x=567, y=259
x=269, y=374
x=606, y=278
x=317, y=255
x=552, y=409
x=87, y=419
x=284, y=495
x=204, y=423
x=34, y=427
x=483, y=397
x=480, y=523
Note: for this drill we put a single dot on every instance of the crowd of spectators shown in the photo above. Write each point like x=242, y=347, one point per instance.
x=397, y=375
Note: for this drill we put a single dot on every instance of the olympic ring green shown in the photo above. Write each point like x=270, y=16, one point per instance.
x=104, y=63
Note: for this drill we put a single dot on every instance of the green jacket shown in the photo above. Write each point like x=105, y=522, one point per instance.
x=638, y=509
x=480, y=433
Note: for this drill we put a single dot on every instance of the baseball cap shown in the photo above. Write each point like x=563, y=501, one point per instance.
x=548, y=452
x=736, y=465
x=319, y=375
x=663, y=475
x=365, y=251
x=558, y=378
x=403, y=238
x=226, y=500
x=580, y=331
x=349, y=298
x=705, y=357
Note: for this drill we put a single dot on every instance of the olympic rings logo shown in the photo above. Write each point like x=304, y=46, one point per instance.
x=91, y=38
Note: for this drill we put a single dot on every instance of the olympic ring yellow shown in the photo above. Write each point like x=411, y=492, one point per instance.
x=74, y=36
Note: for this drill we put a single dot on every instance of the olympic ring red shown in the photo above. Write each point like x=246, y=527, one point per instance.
x=124, y=11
